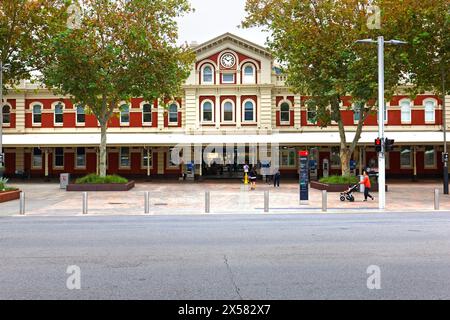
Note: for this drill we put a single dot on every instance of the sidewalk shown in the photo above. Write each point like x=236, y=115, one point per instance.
x=227, y=197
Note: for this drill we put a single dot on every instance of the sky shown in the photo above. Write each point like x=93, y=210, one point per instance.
x=213, y=18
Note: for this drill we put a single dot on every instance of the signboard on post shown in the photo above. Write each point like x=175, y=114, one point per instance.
x=303, y=173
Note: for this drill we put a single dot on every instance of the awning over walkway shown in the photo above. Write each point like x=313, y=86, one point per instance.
x=161, y=139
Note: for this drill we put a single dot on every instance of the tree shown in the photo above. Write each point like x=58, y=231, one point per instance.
x=316, y=41
x=118, y=50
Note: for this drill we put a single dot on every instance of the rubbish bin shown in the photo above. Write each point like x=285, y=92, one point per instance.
x=64, y=180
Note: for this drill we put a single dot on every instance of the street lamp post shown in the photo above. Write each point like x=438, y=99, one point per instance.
x=381, y=106
x=444, y=129
x=1, y=121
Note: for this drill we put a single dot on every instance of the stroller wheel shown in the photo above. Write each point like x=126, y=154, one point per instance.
x=342, y=198
x=352, y=199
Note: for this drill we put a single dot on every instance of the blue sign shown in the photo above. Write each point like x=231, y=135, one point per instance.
x=304, y=176
x=352, y=164
x=312, y=164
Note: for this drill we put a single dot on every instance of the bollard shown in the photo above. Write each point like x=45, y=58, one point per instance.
x=324, y=201
x=147, y=202
x=22, y=203
x=436, y=199
x=207, y=202
x=85, y=203
x=266, y=201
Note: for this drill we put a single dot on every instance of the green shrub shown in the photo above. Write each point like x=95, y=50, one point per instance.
x=350, y=180
x=4, y=187
x=96, y=179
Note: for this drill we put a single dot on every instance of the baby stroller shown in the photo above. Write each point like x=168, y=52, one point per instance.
x=348, y=193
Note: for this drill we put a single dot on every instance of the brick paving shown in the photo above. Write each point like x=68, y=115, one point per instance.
x=227, y=197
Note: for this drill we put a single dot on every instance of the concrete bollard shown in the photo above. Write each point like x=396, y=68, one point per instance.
x=436, y=199
x=147, y=202
x=207, y=202
x=324, y=201
x=266, y=201
x=22, y=203
x=85, y=203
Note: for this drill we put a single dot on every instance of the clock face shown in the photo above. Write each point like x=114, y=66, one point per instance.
x=228, y=60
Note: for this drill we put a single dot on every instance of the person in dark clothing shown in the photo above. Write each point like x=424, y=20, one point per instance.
x=252, y=177
x=367, y=186
x=276, y=179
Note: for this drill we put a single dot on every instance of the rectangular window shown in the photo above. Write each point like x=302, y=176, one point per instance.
x=357, y=112
x=37, y=158
x=288, y=158
x=124, y=157
x=58, y=158
x=228, y=77
x=430, y=157
x=146, y=158
x=172, y=162
x=80, y=157
x=147, y=113
x=405, y=157
x=37, y=114
x=335, y=158
x=311, y=115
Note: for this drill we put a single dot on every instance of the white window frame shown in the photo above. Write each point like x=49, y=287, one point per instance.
x=172, y=123
x=401, y=102
x=76, y=116
x=202, y=112
x=120, y=158
x=307, y=115
x=33, y=104
x=233, y=108
x=124, y=123
x=141, y=105
x=411, y=154
x=289, y=111
x=202, y=70
x=243, y=111
x=354, y=113
x=7, y=104
x=228, y=73
x=76, y=158
x=54, y=158
x=434, y=101
x=434, y=165
x=169, y=157
x=143, y=155
x=54, y=105
x=289, y=152
x=245, y=79
x=33, y=166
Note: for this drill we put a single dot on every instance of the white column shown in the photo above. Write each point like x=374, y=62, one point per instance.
x=238, y=111
x=217, y=111
x=297, y=111
x=46, y=161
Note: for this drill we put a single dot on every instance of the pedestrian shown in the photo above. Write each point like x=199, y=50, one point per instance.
x=367, y=186
x=252, y=176
x=276, y=179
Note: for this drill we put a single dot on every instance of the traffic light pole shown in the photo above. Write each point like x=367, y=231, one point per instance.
x=381, y=106
x=444, y=125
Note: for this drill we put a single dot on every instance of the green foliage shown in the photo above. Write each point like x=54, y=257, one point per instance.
x=350, y=180
x=96, y=179
x=3, y=182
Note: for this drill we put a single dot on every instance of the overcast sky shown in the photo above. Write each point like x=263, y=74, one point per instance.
x=215, y=17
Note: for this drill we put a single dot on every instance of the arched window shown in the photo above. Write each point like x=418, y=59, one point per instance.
x=37, y=114
x=173, y=113
x=207, y=74
x=249, y=74
x=228, y=111
x=207, y=111
x=405, y=106
x=249, y=111
x=147, y=113
x=6, y=114
x=58, y=115
x=285, y=112
x=124, y=114
x=81, y=116
x=430, y=107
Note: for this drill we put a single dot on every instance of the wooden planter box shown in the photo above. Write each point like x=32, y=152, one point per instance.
x=9, y=195
x=329, y=187
x=101, y=187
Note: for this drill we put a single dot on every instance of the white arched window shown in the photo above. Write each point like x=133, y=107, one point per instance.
x=146, y=112
x=81, y=116
x=249, y=111
x=405, y=106
x=207, y=111
x=6, y=114
x=173, y=113
x=37, y=113
x=124, y=114
x=58, y=108
x=228, y=111
x=207, y=74
x=430, y=110
x=285, y=112
x=249, y=74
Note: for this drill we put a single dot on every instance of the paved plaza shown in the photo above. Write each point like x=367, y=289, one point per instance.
x=227, y=197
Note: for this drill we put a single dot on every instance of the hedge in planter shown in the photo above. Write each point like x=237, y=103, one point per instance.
x=93, y=182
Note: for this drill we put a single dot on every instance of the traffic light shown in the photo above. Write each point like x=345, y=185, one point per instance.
x=378, y=144
x=389, y=145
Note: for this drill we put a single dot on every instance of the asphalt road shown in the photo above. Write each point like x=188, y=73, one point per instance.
x=227, y=257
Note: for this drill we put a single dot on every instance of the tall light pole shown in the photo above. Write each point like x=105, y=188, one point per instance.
x=2, y=156
x=381, y=106
x=444, y=129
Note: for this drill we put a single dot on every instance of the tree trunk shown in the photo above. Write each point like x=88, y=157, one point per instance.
x=103, y=154
x=345, y=155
